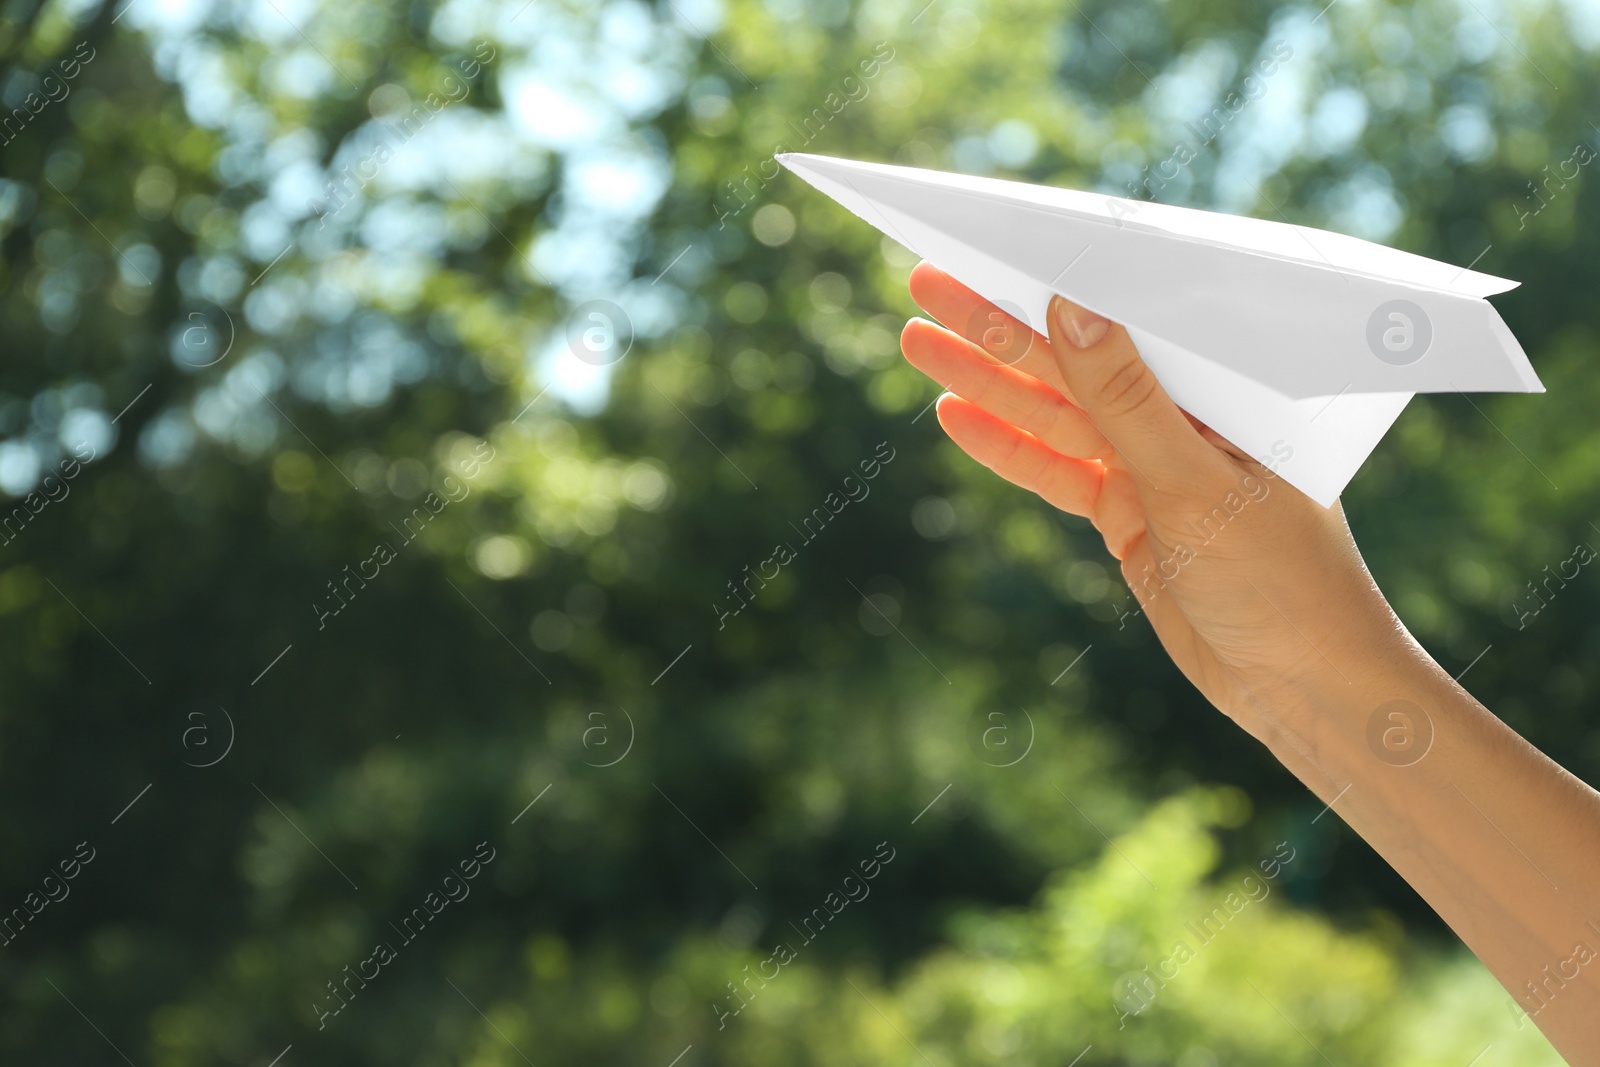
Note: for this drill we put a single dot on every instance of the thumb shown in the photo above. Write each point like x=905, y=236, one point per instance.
x=1120, y=393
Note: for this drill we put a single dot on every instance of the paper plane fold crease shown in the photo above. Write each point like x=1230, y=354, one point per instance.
x=1299, y=345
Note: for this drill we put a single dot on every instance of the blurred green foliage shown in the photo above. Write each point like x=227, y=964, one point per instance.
x=271, y=390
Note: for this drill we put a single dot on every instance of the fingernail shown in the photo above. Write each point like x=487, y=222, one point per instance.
x=1079, y=325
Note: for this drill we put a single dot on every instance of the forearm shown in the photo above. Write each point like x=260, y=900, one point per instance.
x=1279, y=624
x=1503, y=843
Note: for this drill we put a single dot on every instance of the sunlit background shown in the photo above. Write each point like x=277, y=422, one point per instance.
x=403, y=409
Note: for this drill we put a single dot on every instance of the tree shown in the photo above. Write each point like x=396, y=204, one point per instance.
x=481, y=432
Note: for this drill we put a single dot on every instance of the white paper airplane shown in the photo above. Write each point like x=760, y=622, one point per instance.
x=1283, y=339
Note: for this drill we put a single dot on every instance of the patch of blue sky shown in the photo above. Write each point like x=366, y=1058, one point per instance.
x=1271, y=131
x=1583, y=22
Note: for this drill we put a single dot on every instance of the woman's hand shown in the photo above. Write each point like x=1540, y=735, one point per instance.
x=1248, y=583
x=1260, y=597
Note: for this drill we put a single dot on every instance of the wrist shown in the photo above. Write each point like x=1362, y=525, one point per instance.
x=1360, y=697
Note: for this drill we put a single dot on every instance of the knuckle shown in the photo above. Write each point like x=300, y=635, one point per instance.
x=1010, y=459
x=1032, y=471
x=1128, y=388
x=1038, y=411
x=986, y=385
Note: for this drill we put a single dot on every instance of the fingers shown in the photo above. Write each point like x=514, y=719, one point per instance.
x=1020, y=458
x=1120, y=393
x=1217, y=439
x=1009, y=342
x=1002, y=391
x=1104, y=494
x=1157, y=603
x=1119, y=513
x=963, y=311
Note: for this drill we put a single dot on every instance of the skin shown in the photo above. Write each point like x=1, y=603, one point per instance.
x=1269, y=610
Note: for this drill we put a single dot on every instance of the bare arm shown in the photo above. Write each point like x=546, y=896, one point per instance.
x=1261, y=598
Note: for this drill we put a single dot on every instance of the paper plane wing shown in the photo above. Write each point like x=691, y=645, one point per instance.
x=1299, y=345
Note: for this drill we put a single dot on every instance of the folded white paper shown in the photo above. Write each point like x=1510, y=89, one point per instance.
x=1299, y=345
